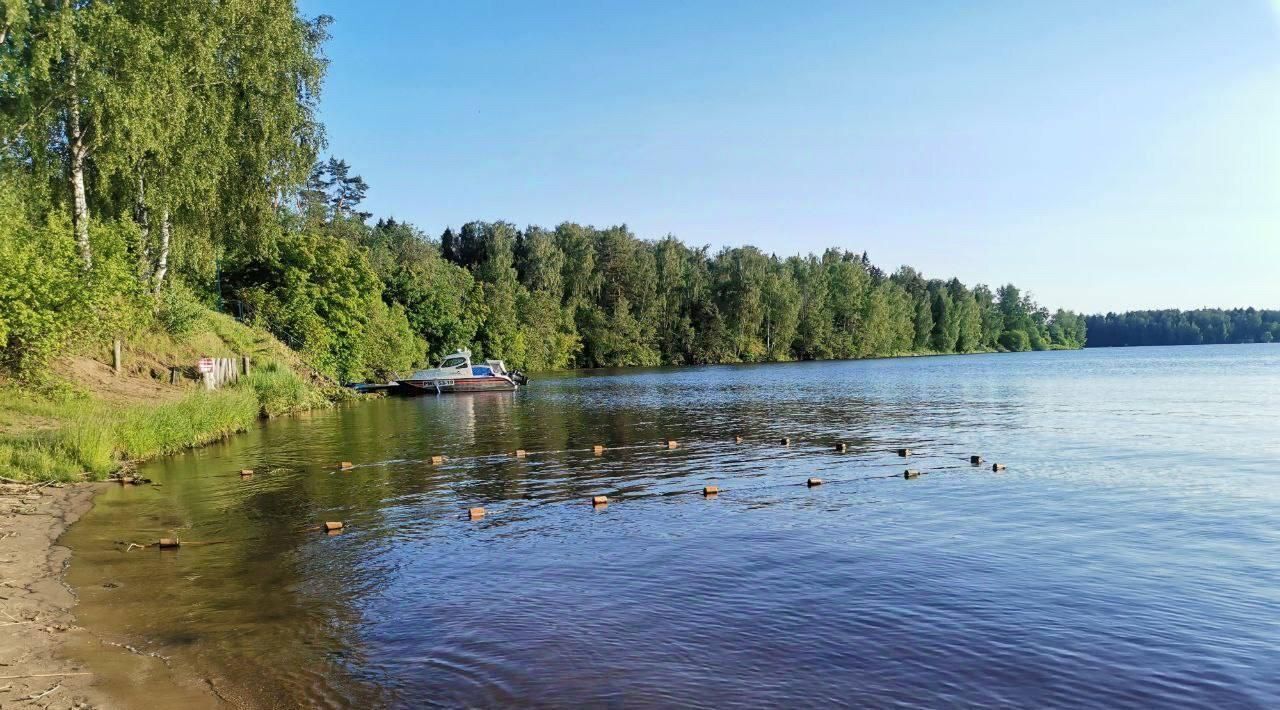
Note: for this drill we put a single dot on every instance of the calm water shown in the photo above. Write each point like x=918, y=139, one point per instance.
x=1128, y=557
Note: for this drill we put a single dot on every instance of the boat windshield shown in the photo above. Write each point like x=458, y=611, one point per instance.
x=453, y=362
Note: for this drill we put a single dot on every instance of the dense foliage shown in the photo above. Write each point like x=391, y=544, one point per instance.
x=162, y=154
x=1174, y=327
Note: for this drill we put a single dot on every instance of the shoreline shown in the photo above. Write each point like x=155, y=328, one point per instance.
x=39, y=665
x=35, y=602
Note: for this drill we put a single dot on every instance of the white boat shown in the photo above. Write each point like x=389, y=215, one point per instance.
x=457, y=374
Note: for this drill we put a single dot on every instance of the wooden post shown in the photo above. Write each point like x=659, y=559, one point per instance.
x=117, y=361
x=245, y=361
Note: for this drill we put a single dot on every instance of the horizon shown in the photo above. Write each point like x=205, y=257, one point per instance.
x=1101, y=159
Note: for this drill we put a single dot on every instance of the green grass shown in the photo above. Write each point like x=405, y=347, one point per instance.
x=279, y=390
x=77, y=438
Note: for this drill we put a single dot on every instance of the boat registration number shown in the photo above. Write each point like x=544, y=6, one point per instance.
x=444, y=383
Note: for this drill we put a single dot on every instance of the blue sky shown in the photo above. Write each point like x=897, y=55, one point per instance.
x=1104, y=155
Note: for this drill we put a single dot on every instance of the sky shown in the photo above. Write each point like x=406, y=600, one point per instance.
x=1102, y=155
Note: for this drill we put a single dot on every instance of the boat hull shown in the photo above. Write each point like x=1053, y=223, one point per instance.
x=466, y=384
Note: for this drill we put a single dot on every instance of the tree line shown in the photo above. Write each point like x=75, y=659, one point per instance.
x=162, y=155
x=1175, y=327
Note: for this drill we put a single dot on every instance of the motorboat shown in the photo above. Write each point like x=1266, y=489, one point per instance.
x=456, y=373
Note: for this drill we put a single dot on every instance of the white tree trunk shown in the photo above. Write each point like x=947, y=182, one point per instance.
x=80, y=200
x=143, y=217
x=162, y=262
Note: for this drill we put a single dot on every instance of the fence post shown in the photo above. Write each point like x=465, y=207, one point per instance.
x=116, y=360
x=245, y=360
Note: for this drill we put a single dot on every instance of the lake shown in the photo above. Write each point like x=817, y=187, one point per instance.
x=1129, y=556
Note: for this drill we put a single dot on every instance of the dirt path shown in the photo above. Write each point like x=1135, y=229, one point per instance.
x=39, y=638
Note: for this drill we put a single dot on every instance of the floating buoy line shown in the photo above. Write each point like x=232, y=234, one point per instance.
x=708, y=491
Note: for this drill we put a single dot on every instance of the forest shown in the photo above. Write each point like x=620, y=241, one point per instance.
x=160, y=157
x=1174, y=327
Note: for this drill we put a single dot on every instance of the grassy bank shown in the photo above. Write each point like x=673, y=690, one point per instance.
x=86, y=422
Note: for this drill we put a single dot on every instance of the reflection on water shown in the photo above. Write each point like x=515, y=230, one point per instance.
x=1126, y=558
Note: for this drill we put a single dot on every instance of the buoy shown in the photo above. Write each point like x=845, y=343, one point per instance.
x=673, y=444
x=346, y=466
x=910, y=473
x=904, y=452
x=169, y=542
x=814, y=482
x=975, y=459
x=997, y=467
x=841, y=447
x=785, y=441
x=737, y=440
x=331, y=526
x=598, y=449
x=246, y=472
x=710, y=490
x=600, y=500
x=475, y=513
x=437, y=460
x=519, y=453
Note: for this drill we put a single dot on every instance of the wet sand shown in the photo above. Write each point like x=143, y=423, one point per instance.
x=42, y=651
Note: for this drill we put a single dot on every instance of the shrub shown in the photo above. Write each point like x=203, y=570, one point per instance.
x=178, y=311
x=1015, y=340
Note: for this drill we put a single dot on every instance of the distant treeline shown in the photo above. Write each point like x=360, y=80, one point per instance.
x=1174, y=327
x=579, y=296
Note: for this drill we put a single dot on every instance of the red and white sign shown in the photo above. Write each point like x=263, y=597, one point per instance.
x=205, y=364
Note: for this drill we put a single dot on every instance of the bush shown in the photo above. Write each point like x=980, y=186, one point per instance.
x=178, y=312
x=46, y=301
x=1015, y=340
x=41, y=297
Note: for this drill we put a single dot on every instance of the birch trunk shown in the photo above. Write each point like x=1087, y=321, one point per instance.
x=162, y=261
x=143, y=217
x=80, y=201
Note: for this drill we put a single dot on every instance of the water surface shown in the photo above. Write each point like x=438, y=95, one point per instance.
x=1128, y=557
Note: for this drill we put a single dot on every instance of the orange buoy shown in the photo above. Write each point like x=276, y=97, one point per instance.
x=997, y=467
x=168, y=542
x=904, y=452
x=813, y=482
x=437, y=460
x=710, y=490
x=600, y=500
x=475, y=513
x=910, y=473
x=331, y=526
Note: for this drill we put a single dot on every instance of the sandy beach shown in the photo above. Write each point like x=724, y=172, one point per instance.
x=35, y=605
x=41, y=647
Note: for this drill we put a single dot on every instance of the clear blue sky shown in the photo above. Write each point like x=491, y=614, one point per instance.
x=1104, y=155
